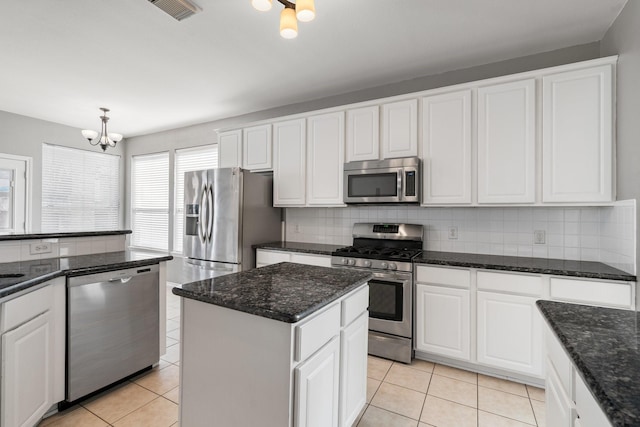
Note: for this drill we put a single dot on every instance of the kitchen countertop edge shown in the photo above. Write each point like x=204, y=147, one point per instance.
x=34, y=236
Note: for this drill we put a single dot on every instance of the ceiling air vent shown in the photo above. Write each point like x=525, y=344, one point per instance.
x=179, y=9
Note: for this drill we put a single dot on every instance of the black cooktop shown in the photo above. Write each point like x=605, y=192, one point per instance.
x=378, y=252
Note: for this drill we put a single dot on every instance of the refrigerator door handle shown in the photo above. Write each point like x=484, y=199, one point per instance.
x=202, y=233
x=211, y=213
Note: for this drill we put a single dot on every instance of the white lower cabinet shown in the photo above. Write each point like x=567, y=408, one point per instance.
x=317, y=388
x=353, y=377
x=443, y=321
x=33, y=365
x=509, y=333
x=560, y=410
x=266, y=257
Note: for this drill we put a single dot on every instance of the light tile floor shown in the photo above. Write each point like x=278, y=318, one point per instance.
x=426, y=394
x=422, y=394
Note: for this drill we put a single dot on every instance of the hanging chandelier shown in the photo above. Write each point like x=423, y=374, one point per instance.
x=106, y=139
x=301, y=10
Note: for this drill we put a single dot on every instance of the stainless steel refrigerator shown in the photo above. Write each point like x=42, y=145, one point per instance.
x=226, y=212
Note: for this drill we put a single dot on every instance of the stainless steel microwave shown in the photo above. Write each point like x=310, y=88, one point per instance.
x=382, y=181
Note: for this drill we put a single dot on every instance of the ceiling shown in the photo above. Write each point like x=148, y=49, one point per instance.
x=62, y=59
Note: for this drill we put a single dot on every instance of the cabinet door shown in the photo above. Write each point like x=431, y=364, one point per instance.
x=256, y=148
x=363, y=134
x=325, y=159
x=27, y=372
x=506, y=143
x=559, y=409
x=353, y=375
x=230, y=149
x=317, y=388
x=443, y=321
x=289, y=168
x=509, y=333
x=400, y=129
x=446, y=148
x=577, y=136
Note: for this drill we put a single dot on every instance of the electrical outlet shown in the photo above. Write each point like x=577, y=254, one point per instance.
x=539, y=237
x=40, y=248
x=296, y=228
x=453, y=233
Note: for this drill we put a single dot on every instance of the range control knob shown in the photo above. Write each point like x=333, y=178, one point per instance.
x=392, y=266
x=384, y=265
x=367, y=263
x=344, y=261
x=352, y=262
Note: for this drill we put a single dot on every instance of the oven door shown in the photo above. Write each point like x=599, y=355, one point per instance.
x=390, y=303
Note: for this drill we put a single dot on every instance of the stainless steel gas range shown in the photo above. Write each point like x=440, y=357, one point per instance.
x=387, y=250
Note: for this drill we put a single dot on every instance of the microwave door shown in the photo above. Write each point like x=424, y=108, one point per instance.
x=195, y=212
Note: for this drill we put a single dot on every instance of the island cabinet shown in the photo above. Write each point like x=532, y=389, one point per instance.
x=32, y=327
x=240, y=369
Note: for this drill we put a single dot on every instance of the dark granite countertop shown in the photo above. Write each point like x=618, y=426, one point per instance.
x=32, y=273
x=559, y=267
x=308, y=248
x=604, y=345
x=287, y=292
x=61, y=235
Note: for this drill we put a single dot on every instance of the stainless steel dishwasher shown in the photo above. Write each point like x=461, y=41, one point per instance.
x=112, y=327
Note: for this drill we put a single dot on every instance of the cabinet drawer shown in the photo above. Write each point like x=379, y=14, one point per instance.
x=353, y=306
x=444, y=276
x=269, y=257
x=28, y=306
x=560, y=362
x=315, y=333
x=319, y=260
x=512, y=283
x=606, y=294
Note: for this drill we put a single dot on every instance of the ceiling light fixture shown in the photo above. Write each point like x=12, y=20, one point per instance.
x=106, y=139
x=301, y=10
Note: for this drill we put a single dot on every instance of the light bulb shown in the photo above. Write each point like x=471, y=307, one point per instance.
x=288, y=23
x=89, y=134
x=305, y=10
x=261, y=5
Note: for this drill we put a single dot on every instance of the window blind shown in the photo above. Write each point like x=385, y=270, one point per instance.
x=80, y=190
x=188, y=159
x=150, y=201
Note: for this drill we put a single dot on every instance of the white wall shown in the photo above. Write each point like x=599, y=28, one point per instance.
x=623, y=39
x=23, y=136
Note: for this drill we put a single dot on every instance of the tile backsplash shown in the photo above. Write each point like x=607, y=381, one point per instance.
x=21, y=250
x=605, y=234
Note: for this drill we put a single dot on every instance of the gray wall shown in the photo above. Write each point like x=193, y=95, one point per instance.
x=23, y=136
x=623, y=38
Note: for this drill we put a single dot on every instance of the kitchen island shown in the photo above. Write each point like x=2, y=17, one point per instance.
x=593, y=365
x=278, y=346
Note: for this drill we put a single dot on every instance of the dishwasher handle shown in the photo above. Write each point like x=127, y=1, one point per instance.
x=120, y=279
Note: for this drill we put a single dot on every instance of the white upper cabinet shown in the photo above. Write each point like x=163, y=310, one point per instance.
x=256, y=148
x=506, y=143
x=230, y=149
x=577, y=142
x=446, y=148
x=289, y=167
x=400, y=129
x=363, y=134
x=325, y=159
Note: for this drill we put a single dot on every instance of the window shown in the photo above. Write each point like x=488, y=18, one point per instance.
x=80, y=190
x=188, y=159
x=150, y=201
